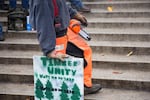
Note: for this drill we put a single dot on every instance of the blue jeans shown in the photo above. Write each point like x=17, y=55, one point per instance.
x=1, y=30
x=25, y=3
x=76, y=3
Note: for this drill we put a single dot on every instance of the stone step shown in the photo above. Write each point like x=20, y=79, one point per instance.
x=3, y=20
x=110, y=22
x=16, y=89
x=97, y=34
x=119, y=4
x=24, y=91
x=102, y=59
x=112, y=78
x=119, y=22
x=101, y=47
x=118, y=94
x=123, y=3
x=109, y=0
x=122, y=48
x=117, y=34
x=106, y=14
x=21, y=34
x=116, y=13
x=3, y=13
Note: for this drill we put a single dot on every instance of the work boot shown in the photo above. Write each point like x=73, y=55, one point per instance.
x=91, y=90
x=84, y=9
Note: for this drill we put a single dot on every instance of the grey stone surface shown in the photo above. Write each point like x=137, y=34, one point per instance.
x=121, y=52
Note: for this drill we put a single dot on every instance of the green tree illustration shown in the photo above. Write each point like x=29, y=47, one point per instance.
x=63, y=95
x=39, y=89
x=76, y=94
x=48, y=93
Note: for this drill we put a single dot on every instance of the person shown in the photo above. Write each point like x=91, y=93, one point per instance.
x=78, y=4
x=1, y=33
x=3, y=6
x=51, y=23
x=13, y=5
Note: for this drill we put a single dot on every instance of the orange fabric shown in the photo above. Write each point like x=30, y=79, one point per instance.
x=73, y=37
x=80, y=43
x=61, y=44
x=74, y=25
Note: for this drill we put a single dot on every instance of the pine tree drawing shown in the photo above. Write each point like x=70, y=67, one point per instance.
x=39, y=89
x=63, y=95
x=76, y=94
x=48, y=93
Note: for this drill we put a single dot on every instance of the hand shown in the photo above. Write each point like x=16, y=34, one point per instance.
x=57, y=55
x=81, y=18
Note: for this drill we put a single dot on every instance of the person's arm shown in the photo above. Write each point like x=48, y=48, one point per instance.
x=76, y=15
x=42, y=21
x=41, y=18
x=72, y=11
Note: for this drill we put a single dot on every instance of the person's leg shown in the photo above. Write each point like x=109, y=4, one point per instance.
x=75, y=51
x=12, y=4
x=79, y=48
x=25, y=4
x=77, y=4
x=1, y=33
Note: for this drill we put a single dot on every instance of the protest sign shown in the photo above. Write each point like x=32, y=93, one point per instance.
x=58, y=80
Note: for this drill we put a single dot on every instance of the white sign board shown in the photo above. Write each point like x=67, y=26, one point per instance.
x=58, y=80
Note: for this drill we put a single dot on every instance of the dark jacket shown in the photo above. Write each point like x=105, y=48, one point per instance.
x=42, y=20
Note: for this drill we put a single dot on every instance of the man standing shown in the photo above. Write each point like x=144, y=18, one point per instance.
x=50, y=18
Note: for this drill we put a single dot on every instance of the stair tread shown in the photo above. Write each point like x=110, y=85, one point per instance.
x=96, y=56
x=141, y=44
x=120, y=43
x=118, y=2
x=108, y=20
x=16, y=89
x=16, y=69
x=121, y=10
x=98, y=73
x=119, y=94
x=19, y=54
x=100, y=31
x=121, y=74
x=121, y=58
x=3, y=19
x=104, y=94
x=129, y=31
x=119, y=20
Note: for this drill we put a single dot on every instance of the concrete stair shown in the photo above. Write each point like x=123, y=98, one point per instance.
x=121, y=52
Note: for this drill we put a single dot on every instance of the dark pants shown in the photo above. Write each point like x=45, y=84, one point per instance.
x=13, y=3
x=1, y=30
x=75, y=51
x=76, y=3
